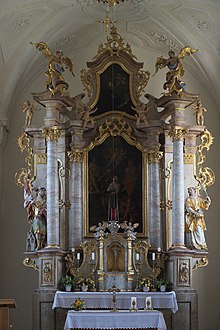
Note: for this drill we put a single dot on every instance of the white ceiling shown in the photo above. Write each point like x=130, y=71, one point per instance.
x=72, y=25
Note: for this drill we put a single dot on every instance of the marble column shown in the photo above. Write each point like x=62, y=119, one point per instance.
x=53, y=225
x=178, y=201
x=154, y=199
x=76, y=199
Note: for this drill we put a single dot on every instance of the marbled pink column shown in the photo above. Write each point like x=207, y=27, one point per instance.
x=178, y=203
x=53, y=224
x=76, y=202
x=154, y=198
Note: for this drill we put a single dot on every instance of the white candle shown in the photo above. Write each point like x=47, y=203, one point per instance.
x=137, y=256
x=148, y=303
x=78, y=256
x=159, y=249
x=93, y=255
x=153, y=256
x=73, y=249
x=134, y=302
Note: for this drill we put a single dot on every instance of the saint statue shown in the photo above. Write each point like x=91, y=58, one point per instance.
x=195, y=223
x=35, y=201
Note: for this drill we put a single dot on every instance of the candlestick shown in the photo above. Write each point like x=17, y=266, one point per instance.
x=133, y=302
x=148, y=303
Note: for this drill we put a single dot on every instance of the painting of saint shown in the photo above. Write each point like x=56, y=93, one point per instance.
x=115, y=161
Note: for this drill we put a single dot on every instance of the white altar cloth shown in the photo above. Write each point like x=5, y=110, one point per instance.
x=103, y=300
x=102, y=319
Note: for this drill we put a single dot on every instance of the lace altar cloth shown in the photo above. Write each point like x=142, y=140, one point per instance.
x=101, y=319
x=103, y=300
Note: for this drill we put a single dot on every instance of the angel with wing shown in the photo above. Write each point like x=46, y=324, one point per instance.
x=175, y=65
x=129, y=229
x=54, y=73
x=100, y=230
x=199, y=112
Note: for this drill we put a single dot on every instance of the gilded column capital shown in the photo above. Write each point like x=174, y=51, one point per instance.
x=177, y=133
x=154, y=156
x=76, y=155
x=52, y=133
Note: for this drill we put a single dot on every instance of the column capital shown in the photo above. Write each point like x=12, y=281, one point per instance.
x=75, y=156
x=52, y=133
x=177, y=133
x=154, y=156
x=3, y=131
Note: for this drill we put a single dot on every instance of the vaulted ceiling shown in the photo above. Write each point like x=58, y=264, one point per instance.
x=72, y=25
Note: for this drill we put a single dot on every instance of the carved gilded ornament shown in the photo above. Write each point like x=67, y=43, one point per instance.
x=30, y=263
x=177, y=133
x=52, y=133
x=201, y=263
x=114, y=45
x=205, y=175
x=189, y=158
x=86, y=78
x=141, y=81
x=76, y=155
x=154, y=156
x=25, y=173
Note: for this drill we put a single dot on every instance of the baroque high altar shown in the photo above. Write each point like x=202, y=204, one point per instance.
x=115, y=185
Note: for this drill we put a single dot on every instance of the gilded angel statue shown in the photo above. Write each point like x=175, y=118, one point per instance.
x=175, y=65
x=55, y=69
x=29, y=109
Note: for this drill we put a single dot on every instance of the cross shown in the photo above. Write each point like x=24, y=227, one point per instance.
x=114, y=289
x=107, y=22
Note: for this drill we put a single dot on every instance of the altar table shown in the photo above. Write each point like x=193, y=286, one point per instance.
x=103, y=300
x=102, y=319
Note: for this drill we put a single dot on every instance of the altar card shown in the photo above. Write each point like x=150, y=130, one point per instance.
x=148, y=303
x=133, y=302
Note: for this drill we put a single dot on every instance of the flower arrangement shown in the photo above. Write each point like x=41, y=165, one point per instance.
x=86, y=283
x=144, y=284
x=78, y=304
x=66, y=281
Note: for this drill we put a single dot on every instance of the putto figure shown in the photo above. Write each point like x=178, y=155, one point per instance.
x=199, y=112
x=174, y=63
x=195, y=222
x=54, y=73
x=29, y=109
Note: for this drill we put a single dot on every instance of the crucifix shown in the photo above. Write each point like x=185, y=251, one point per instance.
x=114, y=289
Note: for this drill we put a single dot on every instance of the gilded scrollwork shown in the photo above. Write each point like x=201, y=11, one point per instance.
x=141, y=81
x=115, y=126
x=86, y=78
x=201, y=263
x=30, y=263
x=24, y=173
x=205, y=175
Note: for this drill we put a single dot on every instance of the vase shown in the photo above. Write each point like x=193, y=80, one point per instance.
x=162, y=288
x=68, y=288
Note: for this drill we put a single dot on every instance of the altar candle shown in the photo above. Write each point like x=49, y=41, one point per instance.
x=78, y=256
x=93, y=255
x=134, y=302
x=137, y=256
x=153, y=256
x=73, y=249
x=159, y=249
x=148, y=303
